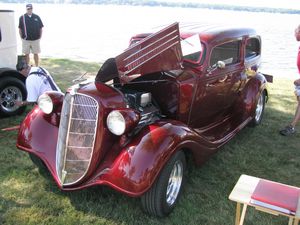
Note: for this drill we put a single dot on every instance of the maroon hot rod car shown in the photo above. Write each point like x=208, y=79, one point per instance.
x=171, y=93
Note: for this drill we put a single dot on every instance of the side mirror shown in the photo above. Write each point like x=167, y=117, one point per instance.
x=221, y=64
x=218, y=65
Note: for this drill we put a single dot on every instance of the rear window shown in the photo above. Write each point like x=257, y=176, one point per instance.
x=252, y=48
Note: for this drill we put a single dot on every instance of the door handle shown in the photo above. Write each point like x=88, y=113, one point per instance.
x=223, y=79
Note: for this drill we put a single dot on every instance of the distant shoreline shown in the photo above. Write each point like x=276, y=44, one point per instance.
x=195, y=5
x=162, y=3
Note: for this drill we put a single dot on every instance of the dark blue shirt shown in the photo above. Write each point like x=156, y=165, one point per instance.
x=30, y=27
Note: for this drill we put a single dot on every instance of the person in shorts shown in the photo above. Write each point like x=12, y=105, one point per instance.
x=30, y=30
x=290, y=129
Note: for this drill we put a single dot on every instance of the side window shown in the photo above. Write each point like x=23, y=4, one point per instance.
x=228, y=53
x=0, y=35
x=252, y=48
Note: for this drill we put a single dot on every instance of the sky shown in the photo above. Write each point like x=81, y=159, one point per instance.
x=290, y=4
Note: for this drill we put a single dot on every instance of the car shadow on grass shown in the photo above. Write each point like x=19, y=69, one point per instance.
x=258, y=151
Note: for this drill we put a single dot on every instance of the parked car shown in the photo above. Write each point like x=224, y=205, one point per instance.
x=12, y=83
x=170, y=94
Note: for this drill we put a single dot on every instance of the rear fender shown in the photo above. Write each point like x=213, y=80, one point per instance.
x=139, y=163
x=247, y=101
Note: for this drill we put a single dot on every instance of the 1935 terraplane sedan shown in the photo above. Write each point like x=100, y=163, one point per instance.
x=171, y=93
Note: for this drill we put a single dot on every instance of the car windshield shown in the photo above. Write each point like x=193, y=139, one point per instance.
x=192, y=48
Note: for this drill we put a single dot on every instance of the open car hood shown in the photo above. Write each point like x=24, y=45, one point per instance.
x=160, y=51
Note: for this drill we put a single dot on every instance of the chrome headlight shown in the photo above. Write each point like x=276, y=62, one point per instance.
x=45, y=103
x=116, y=122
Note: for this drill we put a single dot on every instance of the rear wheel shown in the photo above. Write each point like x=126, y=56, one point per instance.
x=259, y=110
x=162, y=197
x=11, y=91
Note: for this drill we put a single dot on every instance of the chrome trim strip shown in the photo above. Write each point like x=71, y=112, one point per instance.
x=154, y=43
x=78, y=147
x=64, y=172
x=138, y=64
x=83, y=119
x=77, y=160
x=81, y=133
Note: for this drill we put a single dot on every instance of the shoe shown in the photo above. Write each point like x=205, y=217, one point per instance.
x=288, y=130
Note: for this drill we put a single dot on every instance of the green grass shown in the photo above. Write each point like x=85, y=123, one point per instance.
x=28, y=197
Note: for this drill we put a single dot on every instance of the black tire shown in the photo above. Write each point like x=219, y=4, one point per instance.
x=161, y=199
x=11, y=90
x=259, y=110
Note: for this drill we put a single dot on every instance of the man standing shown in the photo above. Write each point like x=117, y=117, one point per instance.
x=290, y=129
x=30, y=29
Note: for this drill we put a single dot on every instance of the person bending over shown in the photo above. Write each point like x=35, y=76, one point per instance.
x=38, y=81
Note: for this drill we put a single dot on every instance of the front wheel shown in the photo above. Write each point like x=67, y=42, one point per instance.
x=259, y=110
x=162, y=197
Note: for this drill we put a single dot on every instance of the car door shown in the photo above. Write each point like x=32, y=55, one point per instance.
x=217, y=87
x=229, y=77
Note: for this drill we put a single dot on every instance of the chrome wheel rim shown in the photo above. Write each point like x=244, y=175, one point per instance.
x=259, y=108
x=8, y=98
x=174, y=183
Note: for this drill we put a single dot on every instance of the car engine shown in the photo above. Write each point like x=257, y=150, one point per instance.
x=143, y=103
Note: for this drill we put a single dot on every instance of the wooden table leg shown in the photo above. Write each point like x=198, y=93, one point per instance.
x=243, y=214
x=296, y=221
x=291, y=221
x=238, y=213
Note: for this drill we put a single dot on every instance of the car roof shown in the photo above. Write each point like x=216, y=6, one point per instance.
x=209, y=32
x=215, y=32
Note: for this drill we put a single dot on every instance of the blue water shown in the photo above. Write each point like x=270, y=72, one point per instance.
x=97, y=32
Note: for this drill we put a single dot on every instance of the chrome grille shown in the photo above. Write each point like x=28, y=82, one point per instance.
x=76, y=137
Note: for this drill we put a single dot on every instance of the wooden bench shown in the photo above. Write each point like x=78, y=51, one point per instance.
x=242, y=193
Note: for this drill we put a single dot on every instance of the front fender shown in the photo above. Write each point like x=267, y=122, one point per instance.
x=131, y=169
x=38, y=135
x=139, y=163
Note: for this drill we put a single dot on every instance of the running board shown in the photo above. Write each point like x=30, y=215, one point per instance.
x=222, y=132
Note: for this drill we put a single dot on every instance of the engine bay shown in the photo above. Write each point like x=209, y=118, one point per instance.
x=144, y=103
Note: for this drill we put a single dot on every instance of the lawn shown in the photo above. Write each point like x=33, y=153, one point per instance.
x=28, y=197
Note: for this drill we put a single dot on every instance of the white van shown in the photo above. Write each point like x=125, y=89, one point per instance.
x=12, y=83
x=8, y=42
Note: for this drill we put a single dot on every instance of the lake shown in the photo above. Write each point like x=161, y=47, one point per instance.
x=97, y=32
